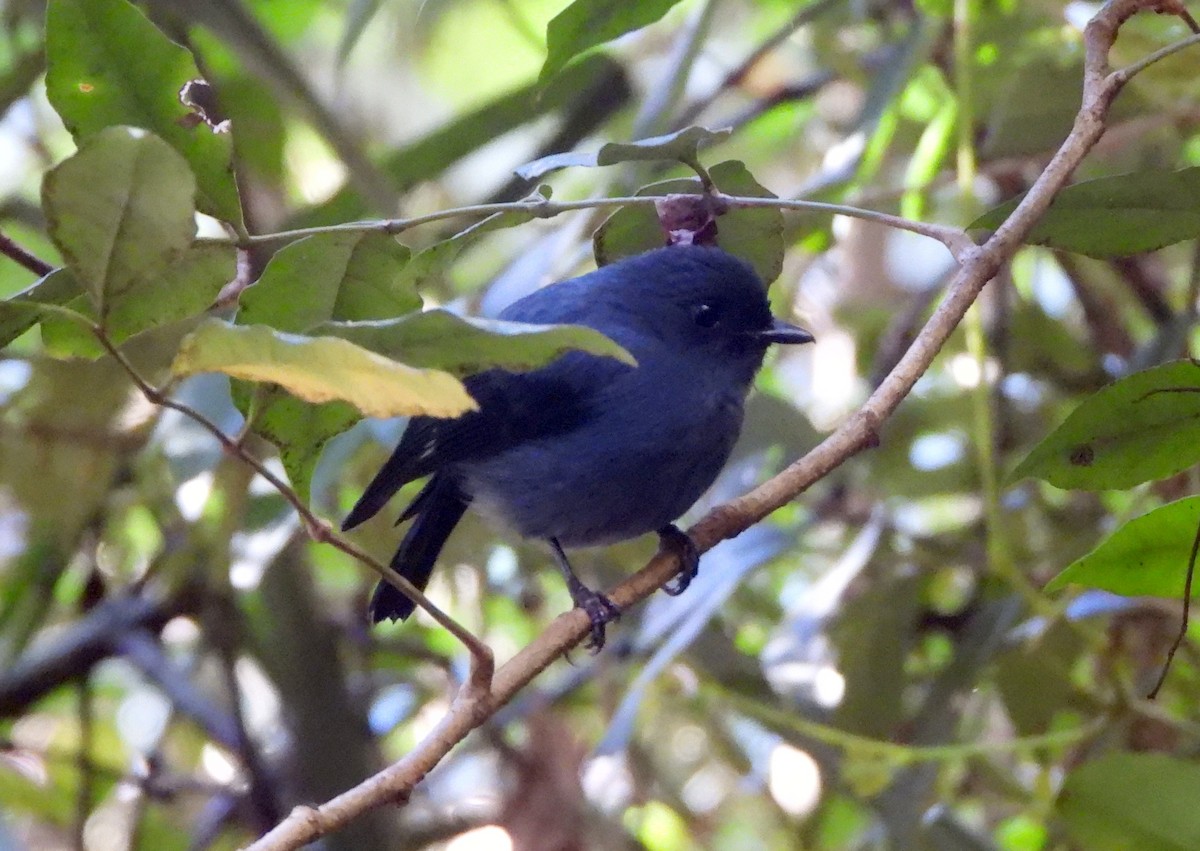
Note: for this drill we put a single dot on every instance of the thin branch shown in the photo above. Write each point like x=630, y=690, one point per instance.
x=27, y=259
x=955, y=239
x=1126, y=73
x=1184, y=617
x=865, y=747
x=978, y=266
x=735, y=76
x=317, y=528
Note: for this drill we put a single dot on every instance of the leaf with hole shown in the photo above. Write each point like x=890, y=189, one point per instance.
x=1143, y=427
x=107, y=65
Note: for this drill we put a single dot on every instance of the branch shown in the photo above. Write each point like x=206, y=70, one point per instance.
x=978, y=265
x=955, y=239
x=30, y=261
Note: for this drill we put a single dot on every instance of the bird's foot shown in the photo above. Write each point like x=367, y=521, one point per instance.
x=672, y=538
x=600, y=611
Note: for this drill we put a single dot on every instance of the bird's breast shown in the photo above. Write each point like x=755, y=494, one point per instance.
x=632, y=467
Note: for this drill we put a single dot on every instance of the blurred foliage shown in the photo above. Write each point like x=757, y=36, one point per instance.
x=876, y=666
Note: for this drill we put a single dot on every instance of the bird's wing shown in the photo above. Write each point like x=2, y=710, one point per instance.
x=513, y=408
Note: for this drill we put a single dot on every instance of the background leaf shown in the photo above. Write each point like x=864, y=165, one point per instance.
x=1126, y=800
x=331, y=276
x=753, y=233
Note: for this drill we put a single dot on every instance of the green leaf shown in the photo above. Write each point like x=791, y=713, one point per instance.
x=120, y=210
x=255, y=110
x=681, y=146
x=1147, y=556
x=328, y=276
x=1124, y=801
x=108, y=65
x=754, y=233
x=347, y=276
x=20, y=313
x=430, y=263
x=188, y=287
x=1115, y=216
x=1143, y=427
x=300, y=431
x=321, y=369
x=438, y=339
x=588, y=23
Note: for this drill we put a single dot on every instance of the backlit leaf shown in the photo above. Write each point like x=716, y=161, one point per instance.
x=321, y=369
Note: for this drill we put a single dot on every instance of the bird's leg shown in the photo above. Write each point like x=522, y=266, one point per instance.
x=600, y=610
x=671, y=537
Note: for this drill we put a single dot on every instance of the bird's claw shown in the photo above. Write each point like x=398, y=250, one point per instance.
x=600, y=611
x=671, y=537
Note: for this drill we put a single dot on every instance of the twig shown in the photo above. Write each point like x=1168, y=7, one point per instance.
x=955, y=239
x=482, y=663
x=736, y=75
x=978, y=265
x=30, y=261
x=1183, y=619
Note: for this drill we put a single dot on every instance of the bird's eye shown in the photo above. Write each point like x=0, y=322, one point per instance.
x=707, y=315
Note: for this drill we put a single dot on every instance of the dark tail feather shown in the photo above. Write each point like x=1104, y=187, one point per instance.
x=438, y=508
x=390, y=478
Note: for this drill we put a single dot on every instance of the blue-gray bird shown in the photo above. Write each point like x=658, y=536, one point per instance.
x=588, y=450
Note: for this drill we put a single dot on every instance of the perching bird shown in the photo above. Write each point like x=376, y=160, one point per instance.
x=588, y=450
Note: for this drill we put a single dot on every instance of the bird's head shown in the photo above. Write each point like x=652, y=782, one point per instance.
x=701, y=301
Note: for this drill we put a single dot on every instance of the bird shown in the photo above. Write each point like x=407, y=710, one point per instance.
x=589, y=450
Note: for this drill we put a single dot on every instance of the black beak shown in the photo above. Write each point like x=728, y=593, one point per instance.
x=785, y=332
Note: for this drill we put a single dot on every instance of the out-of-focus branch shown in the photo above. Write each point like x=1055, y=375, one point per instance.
x=978, y=265
x=72, y=653
x=31, y=262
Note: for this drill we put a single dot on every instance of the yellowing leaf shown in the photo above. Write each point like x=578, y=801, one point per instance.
x=322, y=369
